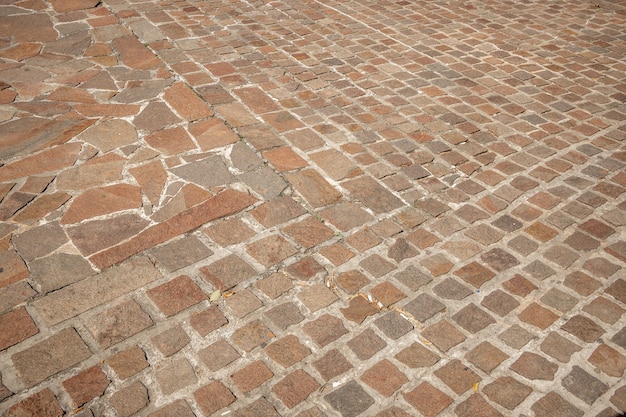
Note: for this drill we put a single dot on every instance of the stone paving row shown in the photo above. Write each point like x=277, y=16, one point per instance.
x=312, y=208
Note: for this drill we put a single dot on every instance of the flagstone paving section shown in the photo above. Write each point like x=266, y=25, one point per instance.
x=312, y=208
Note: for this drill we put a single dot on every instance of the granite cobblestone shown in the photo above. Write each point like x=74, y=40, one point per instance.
x=312, y=208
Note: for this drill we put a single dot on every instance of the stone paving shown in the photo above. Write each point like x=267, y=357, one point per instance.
x=312, y=208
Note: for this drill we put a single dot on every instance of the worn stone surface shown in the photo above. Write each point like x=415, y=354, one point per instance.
x=305, y=208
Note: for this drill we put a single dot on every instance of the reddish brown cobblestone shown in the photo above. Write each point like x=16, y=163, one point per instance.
x=312, y=208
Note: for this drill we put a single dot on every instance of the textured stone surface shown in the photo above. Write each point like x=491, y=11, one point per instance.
x=351, y=208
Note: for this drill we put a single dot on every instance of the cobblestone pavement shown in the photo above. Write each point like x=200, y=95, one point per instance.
x=312, y=208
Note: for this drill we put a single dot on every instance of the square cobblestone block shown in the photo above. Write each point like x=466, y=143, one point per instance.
x=533, y=366
x=227, y=272
x=362, y=240
x=213, y=397
x=583, y=385
x=118, y=323
x=317, y=296
x=559, y=347
x=359, y=308
x=601, y=267
x=54, y=354
x=618, y=399
x=128, y=362
x=86, y=385
x=417, y=356
x=16, y=326
x=332, y=364
x=336, y=253
x=305, y=269
x=500, y=303
x=352, y=281
x=451, y=289
x=176, y=295
x=618, y=290
x=325, y=329
x=287, y=351
x=251, y=335
x=178, y=408
x=252, y=376
x=350, y=400
x=181, y=253
x=437, y=264
x=423, y=307
x=208, y=320
x=243, y=303
x=607, y=311
x=518, y=285
x=539, y=270
x=176, y=376
x=171, y=341
x=41, y=403
x=285, y=315
x=366, y=344
x=472, y=318
x=559, y=300
x=295, y=388
x=131, y=399
x=516, y=336
x=385, y=378
x=476, y=405
x=387, y=293
x=413, y=278
x=218, y=355
x=427, y=399
x=499, y=259
x=393, y=325
x=443, y=335
x=608, y=360
x=275, y=285
x=486, y=357
x=457, y=376
x=507, y=391
x=553, y=405
x=229, y=232
x=474, y=274
x=377, y=266
x=523, y=245
x=583, y=328
x=538, y=316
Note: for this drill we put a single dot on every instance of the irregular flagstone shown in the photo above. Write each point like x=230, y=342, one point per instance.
x=31, y=134
x=50, y=160
x=64, y=6
x=212, y=133
x=41, y=207
x=144, y=90
x=151, y=178
x=110, y=134
x=21, y=51
x=37, y=28
x=94, y=236
x=96, y=290
x=112, y=110
x=171, y=141
x=12, y=268
x=93, y=173
x=220, y=205
x=187, y=197
x=206, y=173
x=187, y=103
x=100, y=201
x=43, y=108
x=58, y=270
x=155, y=116
x=13, y=203
x=39, y=241
x=73, y=44
x=71, y=94
x=134, y=54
